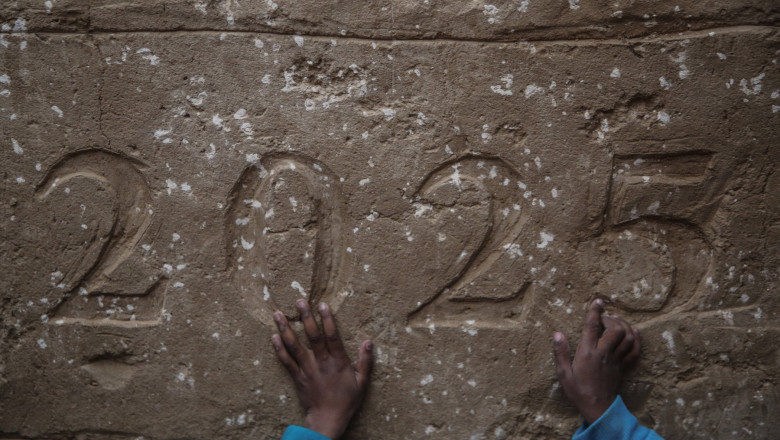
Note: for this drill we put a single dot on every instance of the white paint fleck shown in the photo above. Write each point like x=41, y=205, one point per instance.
x=246, y=129
x=175, y=237
x=4, y=79
x=491, y=11
x=615, y=73
x=57, y=110
x=42, y=344
x=653, y=208
x=247, y=245
x=148, y=55
x=667, y=335
x=298, y=40
x=523, y=6
x=722, y=56
x=426, y=380
x=420, y=208
x=20, y=25
x=546, y=239
x=389, y=113
x=752, y=87
x=666, y=85
x=664, y=117
x=252, y=157
x=240, y=114
x=17, y=148
x=513, y=249
x=364, y=182
x=504, y=90
x=259, y=43
x=532, y=89
x=573, y=4
x=297, y=286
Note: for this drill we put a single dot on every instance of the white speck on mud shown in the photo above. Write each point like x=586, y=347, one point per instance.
x=546, y=239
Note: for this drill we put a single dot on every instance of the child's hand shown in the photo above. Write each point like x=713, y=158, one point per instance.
x=329, y=388
x=609, y=345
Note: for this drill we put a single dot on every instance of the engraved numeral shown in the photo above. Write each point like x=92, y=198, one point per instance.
x=488, y=277
x=110, y=285
x=656, y=208
x=286, y=235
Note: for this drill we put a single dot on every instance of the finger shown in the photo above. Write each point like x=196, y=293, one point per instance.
x=291, y=344
x=593, y=325
x=636, y=349
x=284, y=357
x=613, y=335
x=332, y=337
x=312, y=330
x=562, y=357
x=364, y=364
x=627, y=343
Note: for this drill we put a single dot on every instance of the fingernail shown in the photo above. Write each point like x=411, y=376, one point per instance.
x=302, y=307
x=558, y=336
x=370, y=346
x=323, y=308
x=599, y=301
x=275, y=342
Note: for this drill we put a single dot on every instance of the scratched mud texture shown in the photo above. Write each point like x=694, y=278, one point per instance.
x=459, y=179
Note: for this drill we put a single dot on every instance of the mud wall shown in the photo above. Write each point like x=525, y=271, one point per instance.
x=458, y=179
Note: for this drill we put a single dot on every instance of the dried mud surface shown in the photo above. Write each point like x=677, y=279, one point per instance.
x=458, y=179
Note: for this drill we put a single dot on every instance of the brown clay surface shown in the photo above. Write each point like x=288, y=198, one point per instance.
x=459, y=179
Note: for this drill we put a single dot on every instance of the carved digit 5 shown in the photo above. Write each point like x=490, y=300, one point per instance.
x=488, y=273
x=657, y=206
x=106, y=269
x=286, y=235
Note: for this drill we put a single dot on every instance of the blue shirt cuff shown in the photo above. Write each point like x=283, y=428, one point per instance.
x=616, y=423
x=299, y=433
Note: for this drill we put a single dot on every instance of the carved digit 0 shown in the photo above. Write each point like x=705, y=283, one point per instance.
x=286, y=235
x=488, y=279
x=108, y=286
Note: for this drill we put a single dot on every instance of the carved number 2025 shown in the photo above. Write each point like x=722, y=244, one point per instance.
x=286, y=229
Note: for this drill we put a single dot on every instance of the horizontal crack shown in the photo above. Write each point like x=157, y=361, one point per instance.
x=670, y=36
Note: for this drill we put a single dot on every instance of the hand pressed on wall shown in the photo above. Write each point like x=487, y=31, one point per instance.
x=329, y=388
x=608, y=347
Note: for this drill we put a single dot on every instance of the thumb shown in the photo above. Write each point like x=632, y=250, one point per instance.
x=364, y=364
x=562, y=357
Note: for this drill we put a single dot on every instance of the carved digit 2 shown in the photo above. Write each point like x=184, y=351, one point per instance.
x=489, y=276
x=132, y=213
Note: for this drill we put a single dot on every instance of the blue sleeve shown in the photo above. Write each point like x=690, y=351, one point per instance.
x=298, y=433
x=616, y=424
